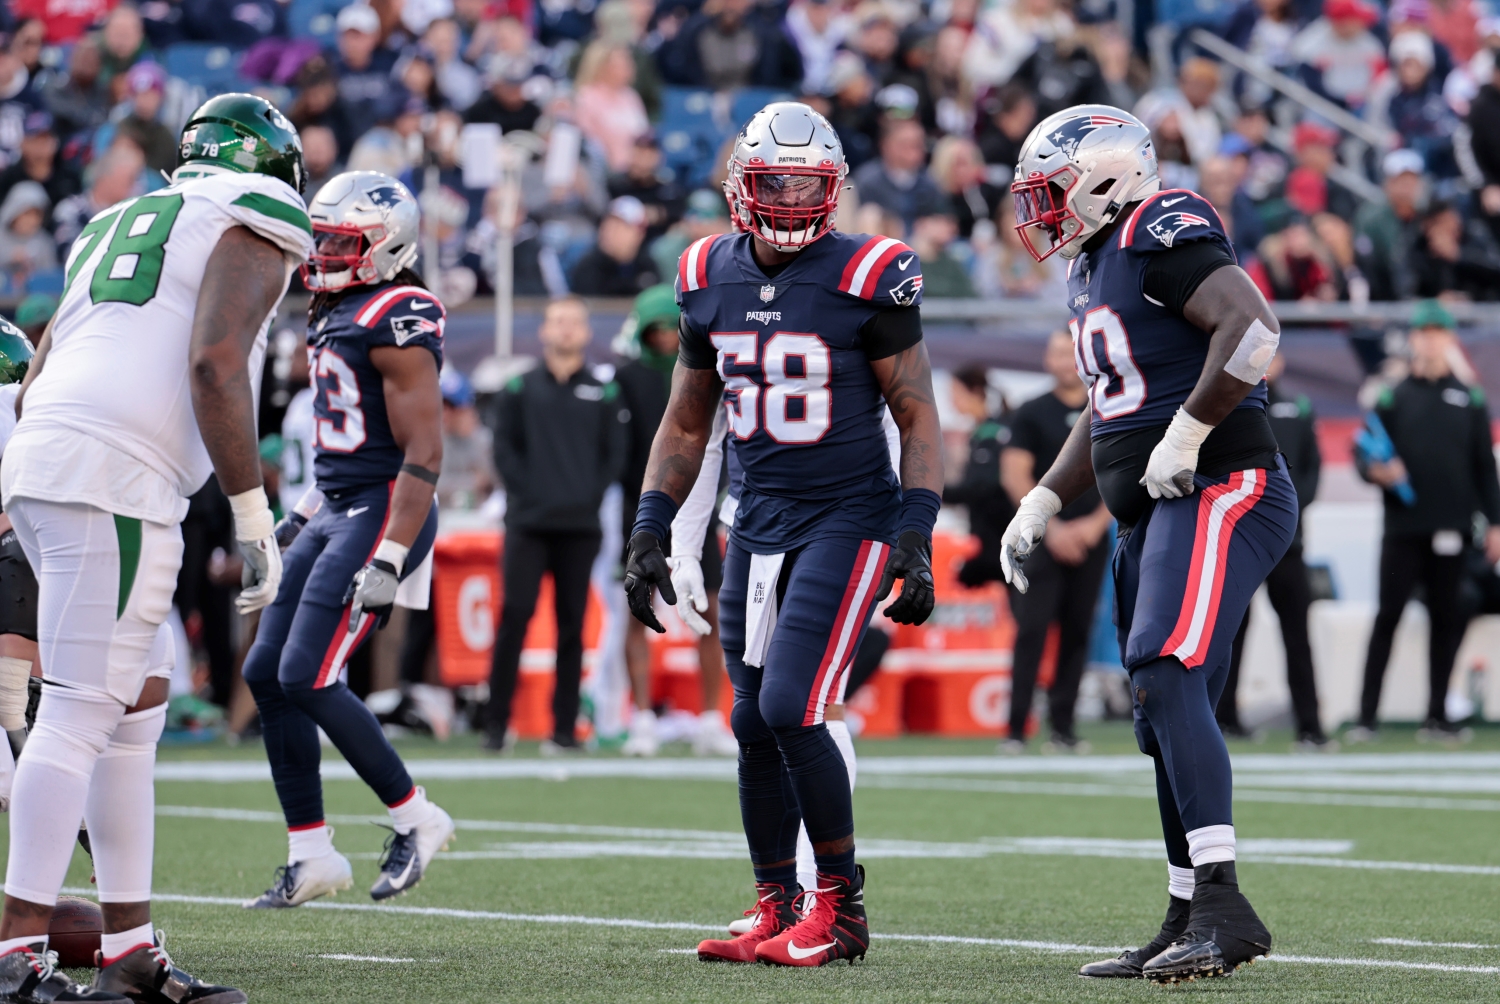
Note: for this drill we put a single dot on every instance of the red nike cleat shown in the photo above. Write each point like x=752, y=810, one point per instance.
x=835, y=928
x=773, y=913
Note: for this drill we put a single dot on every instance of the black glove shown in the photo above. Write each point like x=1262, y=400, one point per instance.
x=373, y=591
x=646, y=566
x=286, y=531
x=910, y=561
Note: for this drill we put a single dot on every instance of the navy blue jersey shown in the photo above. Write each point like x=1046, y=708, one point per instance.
x=803, y=403
x=352, y=437
x=1140, y=359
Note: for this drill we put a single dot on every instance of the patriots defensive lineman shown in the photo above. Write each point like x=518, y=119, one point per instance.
x=1174, y=341
x=812, y=333
x=375, y=346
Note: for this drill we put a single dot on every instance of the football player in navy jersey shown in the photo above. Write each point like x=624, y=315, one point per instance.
x=1174, y=341
x=375, y=345
x=806, y=334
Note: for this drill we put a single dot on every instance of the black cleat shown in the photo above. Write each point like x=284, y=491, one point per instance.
x=1223, y=931
x=28, y=977
x=147, y=976
x=1128, y=965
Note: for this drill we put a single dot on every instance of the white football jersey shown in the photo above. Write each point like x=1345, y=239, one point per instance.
x=297, y=437
x=110, y=421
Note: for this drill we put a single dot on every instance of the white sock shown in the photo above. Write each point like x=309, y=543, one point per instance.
x=32, y=943
x=412, y=812
x=1179, y=882
x=845, y=742
x=112, y=946
x=1208, y=844
x=121, y=808
x=305, y=844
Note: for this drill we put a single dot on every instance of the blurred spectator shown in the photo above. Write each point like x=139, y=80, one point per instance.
x=1294, y=265
x=624, y=22
x=417, y=78
x=1309, y=189
x=943, y=275
x=1385, y=231
x=605, y=105
x=1444, y=455
x=534, y=266
x=320, y=155
x=958, y=170
x=74, y=97
x=706, y=214
x=26, y=44
x=990, y=508
x=618, y=265
x=1190, y=108
x=1065, y=574
x=391, y=145
x=145, y=83
x=899, y=181
x=1062, y=72
x=1454, y=257
x=1265, y=29
x=505, y=102
x=1009, y=116
x=65, y=22
x=1478, y=147
x=457, y=81
x=1006, y=34
x=1338, y=237
x=1218, y=182
x=852, y=109
x=468, y=474
x=124, y=43
x=819, y=28
x=949, y=93
x=25, y=246
x=876, y=40
x=1454, y=23
x=730, y=47
x=317, y=104
x=1339, y=55
x=1018, y=273
x=1411, y=102
x=559, y=442
x=238, y=24
x=648, y=180
x=110, y=179
x=1266, y=167
x=18, y=99
x=39, y=162
x=362, y=67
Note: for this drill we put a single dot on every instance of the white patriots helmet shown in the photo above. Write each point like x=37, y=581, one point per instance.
x=366, y=228
x=785, y=173
x=1076, y=171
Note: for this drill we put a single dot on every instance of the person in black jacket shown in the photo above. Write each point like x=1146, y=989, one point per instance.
x=990, y=509
x=618, y=264
x=1294, y=424
x=1440, y=428
x=558, y=445
x=728, y=49
x=1477, y=148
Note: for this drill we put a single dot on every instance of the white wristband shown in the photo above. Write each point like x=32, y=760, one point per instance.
x=393, y=552
x=253, y=519
x=1186, y=431
x=1042, y=499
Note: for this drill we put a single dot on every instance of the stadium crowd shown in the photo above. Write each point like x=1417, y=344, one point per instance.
x=625, y=105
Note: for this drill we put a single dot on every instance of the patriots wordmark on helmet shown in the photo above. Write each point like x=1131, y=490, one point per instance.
x=1166, y=228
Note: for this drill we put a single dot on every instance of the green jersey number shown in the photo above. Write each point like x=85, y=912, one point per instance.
x=130, y=268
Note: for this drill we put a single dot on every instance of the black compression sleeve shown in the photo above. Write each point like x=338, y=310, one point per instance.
x=693, y=350
x=890, y=332
x=1171, y=277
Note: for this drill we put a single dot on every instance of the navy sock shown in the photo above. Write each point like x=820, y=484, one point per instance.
x=821, y=781
x=355, y=732
x=784, y=875
x=841, y=865
x=292, y=747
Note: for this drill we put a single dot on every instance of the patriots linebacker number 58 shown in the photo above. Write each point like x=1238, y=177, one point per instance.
x=811, y=388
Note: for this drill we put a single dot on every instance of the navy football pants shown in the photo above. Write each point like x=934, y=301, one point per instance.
x=790, y=770
x=295, y=668
x=1184, y=578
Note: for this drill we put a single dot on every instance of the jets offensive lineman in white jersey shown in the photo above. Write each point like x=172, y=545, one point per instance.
x=144, y=385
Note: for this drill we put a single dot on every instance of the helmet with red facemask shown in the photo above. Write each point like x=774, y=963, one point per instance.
x=784, y=176
x=1076, y=171
x=366, y=228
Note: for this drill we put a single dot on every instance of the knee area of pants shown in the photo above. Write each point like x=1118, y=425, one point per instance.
x=782, y=712
x=805, y=744
x=1145, y=739
x=747, y=724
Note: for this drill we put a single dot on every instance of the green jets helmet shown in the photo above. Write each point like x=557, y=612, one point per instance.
x=15, y=353
x=241, y=133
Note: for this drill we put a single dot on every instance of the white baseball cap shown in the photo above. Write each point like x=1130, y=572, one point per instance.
x=1404, y=161
x=358, y=17
x=629, y=209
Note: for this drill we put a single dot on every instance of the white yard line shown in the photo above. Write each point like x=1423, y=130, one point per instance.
x=1440, y=967
x=1409, y=943
x=341, y=957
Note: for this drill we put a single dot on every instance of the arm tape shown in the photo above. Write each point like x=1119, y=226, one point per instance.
x=420, y=473
x=1252, y=357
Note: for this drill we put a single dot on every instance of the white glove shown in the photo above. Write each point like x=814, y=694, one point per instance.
x=255, y=532
x=1026, y=529
x=692, y=597
x=1169, y=472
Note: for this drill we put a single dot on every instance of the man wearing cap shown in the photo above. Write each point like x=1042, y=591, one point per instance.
x=363, y=67
x=618, y=265
x=145, y=83
x=648, y=345
x=505, y=103
x=40, y=163
x=1385, y=231
x=1444, y=457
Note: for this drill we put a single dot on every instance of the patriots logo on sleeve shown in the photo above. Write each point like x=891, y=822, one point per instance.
x=1166, y=227
x=409, y=327
x=905, y=293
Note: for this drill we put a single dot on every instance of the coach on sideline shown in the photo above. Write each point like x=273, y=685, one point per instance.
x=1440, y=427
x=559, y=442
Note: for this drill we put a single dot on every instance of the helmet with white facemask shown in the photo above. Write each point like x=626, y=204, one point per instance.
x=784, y=176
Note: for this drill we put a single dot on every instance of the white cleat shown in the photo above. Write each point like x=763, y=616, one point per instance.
x=296, y=883
x=714, y=738
x=642, y=739
x=407, y=855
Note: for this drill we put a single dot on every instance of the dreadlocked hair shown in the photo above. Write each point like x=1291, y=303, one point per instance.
x=326, y=299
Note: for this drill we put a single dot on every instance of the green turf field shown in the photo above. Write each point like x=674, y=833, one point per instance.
x=566, y=885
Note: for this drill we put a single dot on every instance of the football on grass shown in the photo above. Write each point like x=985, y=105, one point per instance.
x=77, y=924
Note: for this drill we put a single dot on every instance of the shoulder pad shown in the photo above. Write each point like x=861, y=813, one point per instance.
x=408, y=310
x=1171, y=219
x=692, y=266
x=884, y=271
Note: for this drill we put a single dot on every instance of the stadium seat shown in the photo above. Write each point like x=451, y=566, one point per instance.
x=49, y=282
x=750, y=100
x=694, y=123
x=215, y=68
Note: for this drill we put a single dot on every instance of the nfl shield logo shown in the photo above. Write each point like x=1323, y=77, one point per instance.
x=767, y=294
